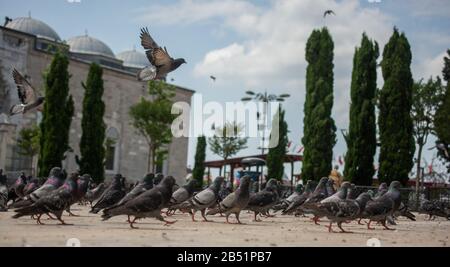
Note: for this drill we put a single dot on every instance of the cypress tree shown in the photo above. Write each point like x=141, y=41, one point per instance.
x=395, y=100
x=361, y=137
x=319, y=130
x=275, y=157
x=92, y=140
x=56, y=116
x=442, y=119
x=199, y=165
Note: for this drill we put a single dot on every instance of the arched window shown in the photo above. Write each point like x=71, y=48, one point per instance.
x=111, y=151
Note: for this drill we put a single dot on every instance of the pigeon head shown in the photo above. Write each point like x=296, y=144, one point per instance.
x=245, y=182
x=272, y=184
x=217, y=183
x=83, y=184
x=158, y=178
x=56, y=172
x=395, y=185
x=362, y=200
x=148, y=178
x=299, y=188
x=352, y=192
x=168, y=182
x=190, y=186
x=117, y=178
x=382, y=186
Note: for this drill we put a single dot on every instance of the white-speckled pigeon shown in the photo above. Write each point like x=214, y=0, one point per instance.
x=234, y=202
x=203, y=200
x=112, y=195
x=148, y=204
x=54, y=202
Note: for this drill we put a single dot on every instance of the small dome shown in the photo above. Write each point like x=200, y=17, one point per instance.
x=33, y=26
x=89, y=45
x=133, y=59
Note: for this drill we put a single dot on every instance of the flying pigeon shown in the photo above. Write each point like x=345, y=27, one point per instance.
x=287, y=201
x=55, y=202
x=148, y=204
x=328, y=12
x=161, y=62
x=181, y=195
x=265, y=199
x=234, y=202
x=112, y=195
x=3, y=192
x=213, y=78
x=385, y=205
x=95, y=193
x=54, y=181
x=29, y=97
x=297, y=201
x=203, y=200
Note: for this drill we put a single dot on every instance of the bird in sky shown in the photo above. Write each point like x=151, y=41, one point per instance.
x=328, y=12
x=212, y=78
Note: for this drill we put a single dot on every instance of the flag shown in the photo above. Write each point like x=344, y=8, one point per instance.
x=300, y=150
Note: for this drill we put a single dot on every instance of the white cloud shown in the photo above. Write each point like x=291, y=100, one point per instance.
x=430, y=67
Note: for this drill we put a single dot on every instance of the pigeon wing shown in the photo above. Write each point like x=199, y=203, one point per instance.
x=156, y=55
x=27, y=94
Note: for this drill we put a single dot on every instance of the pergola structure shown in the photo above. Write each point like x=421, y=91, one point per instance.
x=235, y=163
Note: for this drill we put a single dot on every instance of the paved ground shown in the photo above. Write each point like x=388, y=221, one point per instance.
x=277, y=231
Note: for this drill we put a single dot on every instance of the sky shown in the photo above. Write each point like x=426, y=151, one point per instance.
x=254, y=45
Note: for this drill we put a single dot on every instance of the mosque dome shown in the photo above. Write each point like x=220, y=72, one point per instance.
x=133, y=59
x=86, y=44
x=33, y=26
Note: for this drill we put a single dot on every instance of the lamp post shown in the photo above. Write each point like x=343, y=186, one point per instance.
x=265, y=98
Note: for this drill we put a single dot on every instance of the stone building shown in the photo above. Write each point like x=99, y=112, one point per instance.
x=26, y=44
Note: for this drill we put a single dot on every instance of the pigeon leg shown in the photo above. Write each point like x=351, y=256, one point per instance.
x=316, y=220
x=256, y=219
x=226, y=216
x=368, y=225
x=385, y=226
x=204, y=217
x=132, y=222
x=72, y=214
x=50, y=217
x=193, y=215
x=167, y=223
x=128, y=219
x=62, y=221
x=237, y=218
x=330, y=228
x=342, y=229
x=39, y=220
x=359, y=221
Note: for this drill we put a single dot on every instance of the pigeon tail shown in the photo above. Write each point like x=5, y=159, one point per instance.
x=111, y=212
x=17, y=109
x=21, y=204
x=29, y=210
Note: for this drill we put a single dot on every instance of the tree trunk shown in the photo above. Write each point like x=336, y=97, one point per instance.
x=149, y=158
x=418, y=172
x=154, y=160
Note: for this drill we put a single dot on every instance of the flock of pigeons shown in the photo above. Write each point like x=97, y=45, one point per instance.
x=156, y=196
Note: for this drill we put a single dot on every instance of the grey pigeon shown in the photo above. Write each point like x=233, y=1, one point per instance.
x=161, y=62
x=54, y=202
x=298, y=200
x=148, y=204
x=3, y=192
x=383, y=206
x=382, y=189
x=54, y=181
x=287, y=201
x=112, y=195
x=227, y=188
x=265, y=199
x=95, y=193
x=182, y=194
x=82, y=187
x=234, y=202
x=329, y=186
x=29, y=97
x=31, y=186
x=203, y=199
x=19, y=185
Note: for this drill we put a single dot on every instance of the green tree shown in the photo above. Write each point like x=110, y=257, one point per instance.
x=361, y=137
x=28, y=143
x=425, y=100
x=93, y=136
x=56, y=116
x=152, y=118
x=442, y=118
x=227, y=141
x=319, y=130
x=275, y=157
x=199, y=165
x=395, y=100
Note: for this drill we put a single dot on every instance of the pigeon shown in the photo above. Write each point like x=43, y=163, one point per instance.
x=158, y=178
x=55, y=202
x=297, y=201
x=287, y=201
x=3, y=192
x=227, y=189
x=329, y=186
x=31, y=186
x=148, y=204
x=29, y=97
x=95, y=193
x=383, y=206
x=203, y=199
x=161, y=62
x=82, y=187
x=112, y=195
x=433, y=209
x=234, y=202
x=382, y=189
x=265, y=199
x=328, y=12
x=19, y=185
x=54, y=181
x=182, y=194
x=403, y=211
x=213, y=78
